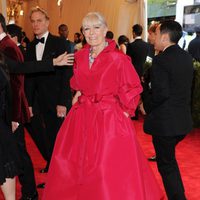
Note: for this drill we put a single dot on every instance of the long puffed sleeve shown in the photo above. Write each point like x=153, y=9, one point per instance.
x=73, y=83
x=129, y=88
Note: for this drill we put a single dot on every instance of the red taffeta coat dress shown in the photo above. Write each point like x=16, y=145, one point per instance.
x=96, y=155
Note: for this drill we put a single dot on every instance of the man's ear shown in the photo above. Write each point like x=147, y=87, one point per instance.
x=48, y=23
x=164, y=38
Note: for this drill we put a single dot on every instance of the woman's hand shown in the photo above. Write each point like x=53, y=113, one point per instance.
x=64, y=59
x=75, y=98
x=141, y=108
x=30, y=111
x=14, y=126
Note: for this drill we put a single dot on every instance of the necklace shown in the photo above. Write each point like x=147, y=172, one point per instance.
x=93, y=55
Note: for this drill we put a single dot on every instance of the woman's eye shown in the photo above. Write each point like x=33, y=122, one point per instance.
x=97, y=27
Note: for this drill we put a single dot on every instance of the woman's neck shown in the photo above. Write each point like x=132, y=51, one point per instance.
x=96, y=50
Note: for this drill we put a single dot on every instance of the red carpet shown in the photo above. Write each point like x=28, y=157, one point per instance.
x=188, y=156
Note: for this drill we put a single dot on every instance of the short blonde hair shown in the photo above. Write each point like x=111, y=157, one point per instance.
x=38, y=9
x=93, y=18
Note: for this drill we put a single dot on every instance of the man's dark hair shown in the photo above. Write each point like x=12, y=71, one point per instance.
x=3, y=22
x=109, y=35
x=78, y=34
x=14, y=30
x=62, y=25
x=137, y=29
x=173, y=28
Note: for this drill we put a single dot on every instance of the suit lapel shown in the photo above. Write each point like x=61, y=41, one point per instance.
x=32, y=48
x=47, y=47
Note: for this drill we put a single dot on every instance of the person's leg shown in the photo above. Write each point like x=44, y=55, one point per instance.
x=52, y=124
x=37, y=132
x=9, y=188
x=168, y=167
x=26, y=178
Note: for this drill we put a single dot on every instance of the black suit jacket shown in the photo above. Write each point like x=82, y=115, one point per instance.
x=194, y=48
x=50, y=86
x=171, y=82
x=138, y=51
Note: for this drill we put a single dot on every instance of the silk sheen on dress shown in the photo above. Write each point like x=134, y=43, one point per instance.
x=97, y=155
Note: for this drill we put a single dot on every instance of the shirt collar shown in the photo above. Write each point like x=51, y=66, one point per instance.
x=138, y=37
x=45, y=35
x=169, y=46
x=2, y=35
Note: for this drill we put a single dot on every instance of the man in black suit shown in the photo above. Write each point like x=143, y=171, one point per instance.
x=63, y=31
x=138, y=51
x=35, y=126
x=170, y=118
x=50, y=86
x=194, y=45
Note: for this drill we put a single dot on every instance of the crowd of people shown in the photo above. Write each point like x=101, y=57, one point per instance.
x=79, y=108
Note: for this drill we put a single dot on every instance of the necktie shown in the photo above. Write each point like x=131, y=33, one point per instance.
x=39, y=40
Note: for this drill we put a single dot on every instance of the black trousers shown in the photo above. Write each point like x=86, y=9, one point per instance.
x=52, y=126
x=26, y=178
x=43, y=130
x=168, y=167
x=36, y=129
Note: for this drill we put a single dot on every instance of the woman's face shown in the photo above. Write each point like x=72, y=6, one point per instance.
x=95, y=34
x=151, y=37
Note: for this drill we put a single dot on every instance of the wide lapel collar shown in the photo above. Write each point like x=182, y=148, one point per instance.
x=47, y=46
x=32, y=47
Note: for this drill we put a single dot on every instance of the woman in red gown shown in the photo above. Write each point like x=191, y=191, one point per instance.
x=96, y=155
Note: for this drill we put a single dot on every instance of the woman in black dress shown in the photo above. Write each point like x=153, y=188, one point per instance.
x=9, y=160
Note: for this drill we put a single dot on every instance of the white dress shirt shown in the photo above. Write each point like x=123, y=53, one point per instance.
x=40, y=47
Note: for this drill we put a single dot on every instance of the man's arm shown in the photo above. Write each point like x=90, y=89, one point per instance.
x=29, y=67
